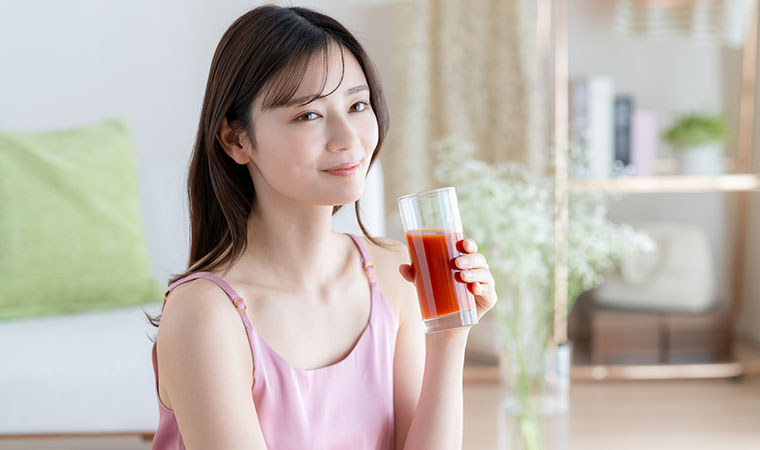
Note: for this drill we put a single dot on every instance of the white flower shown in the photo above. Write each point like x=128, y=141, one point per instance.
x=509, y=212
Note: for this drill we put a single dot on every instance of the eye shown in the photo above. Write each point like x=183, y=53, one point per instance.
x=364, y=105
x=305, y=117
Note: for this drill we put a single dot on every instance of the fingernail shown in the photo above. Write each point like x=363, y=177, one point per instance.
x=466, y=275
x=463, y=263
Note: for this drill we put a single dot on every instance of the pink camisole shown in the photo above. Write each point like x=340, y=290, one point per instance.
x=346, y=405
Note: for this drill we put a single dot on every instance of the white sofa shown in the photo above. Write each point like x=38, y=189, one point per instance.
x=91, y=373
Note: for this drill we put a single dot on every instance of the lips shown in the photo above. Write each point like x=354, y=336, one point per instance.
x=344, y=166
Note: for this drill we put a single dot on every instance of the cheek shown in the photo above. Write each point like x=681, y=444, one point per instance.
x=370, y=133
x=278, y=149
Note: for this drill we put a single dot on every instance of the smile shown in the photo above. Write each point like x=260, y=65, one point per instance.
x=347, y=172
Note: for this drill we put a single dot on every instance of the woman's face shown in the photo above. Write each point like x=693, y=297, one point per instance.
x=296, y=144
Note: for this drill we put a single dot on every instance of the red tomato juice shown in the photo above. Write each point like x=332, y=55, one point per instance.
x=432, y=253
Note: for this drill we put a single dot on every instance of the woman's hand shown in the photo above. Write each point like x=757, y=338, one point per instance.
x=475, y=273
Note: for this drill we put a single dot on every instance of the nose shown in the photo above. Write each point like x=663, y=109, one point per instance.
x=343, y=135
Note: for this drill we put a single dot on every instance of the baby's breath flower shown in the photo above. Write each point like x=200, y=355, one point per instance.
x=509, y=211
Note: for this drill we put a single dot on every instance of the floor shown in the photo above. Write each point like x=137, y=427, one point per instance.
x=666, y=415
x=671, y=415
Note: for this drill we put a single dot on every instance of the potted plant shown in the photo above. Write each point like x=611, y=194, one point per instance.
x=699, y=141
x=509, y=211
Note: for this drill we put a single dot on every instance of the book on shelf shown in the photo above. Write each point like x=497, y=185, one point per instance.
x=614, y=136
x=644, y=139
x=592, y=125
x=623, y=111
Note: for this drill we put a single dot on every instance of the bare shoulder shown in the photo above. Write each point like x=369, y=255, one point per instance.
x=205, y=376
x=200, y=306
x=199, y=302
x=389, y=255
x=199, y=319
x=389, y=246
x=401, y=294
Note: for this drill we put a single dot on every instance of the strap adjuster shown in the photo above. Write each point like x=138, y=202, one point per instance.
x=366, y=269
x=245, y=306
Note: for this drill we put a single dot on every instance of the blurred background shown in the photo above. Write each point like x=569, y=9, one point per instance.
x=603, y=150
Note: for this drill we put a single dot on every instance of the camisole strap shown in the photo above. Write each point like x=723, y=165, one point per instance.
x=366, y=260
x=237, y=300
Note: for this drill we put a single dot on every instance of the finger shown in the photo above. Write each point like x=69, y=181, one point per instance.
x=484, y=294
x=466, y=246
x=471, y=261
x=476, y=288
x=477, y=275
x=407, y=271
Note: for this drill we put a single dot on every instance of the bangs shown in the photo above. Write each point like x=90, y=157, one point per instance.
x=282, y=88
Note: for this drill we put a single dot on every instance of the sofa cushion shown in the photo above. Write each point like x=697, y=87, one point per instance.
x=88, y=372
x=72, y=232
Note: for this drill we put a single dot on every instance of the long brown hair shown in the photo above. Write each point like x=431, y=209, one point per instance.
x=264, y=52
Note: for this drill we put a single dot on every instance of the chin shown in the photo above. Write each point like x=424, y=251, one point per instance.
x=348, y=200
x=348, y=197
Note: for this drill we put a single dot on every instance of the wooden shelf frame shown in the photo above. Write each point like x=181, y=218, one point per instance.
x=630, y=372
x=746, y=363
x=143, y=435
x=742, y=183
x=671, y=183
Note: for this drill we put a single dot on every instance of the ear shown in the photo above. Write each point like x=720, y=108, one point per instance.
x=234, y=144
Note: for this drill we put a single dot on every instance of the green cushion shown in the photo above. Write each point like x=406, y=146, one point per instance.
x=71, y=234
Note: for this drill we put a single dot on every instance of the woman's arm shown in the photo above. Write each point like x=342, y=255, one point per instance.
x=199, y=344
x=428, y=398
x=437, y=422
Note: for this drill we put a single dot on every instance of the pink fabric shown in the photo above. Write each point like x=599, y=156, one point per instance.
x=347, y=405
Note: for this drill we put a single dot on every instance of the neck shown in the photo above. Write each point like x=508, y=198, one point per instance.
x=292, y=247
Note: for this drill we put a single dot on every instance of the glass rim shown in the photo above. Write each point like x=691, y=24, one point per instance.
x=428, y=193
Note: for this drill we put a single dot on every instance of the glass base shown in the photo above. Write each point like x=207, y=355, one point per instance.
x=455, y=320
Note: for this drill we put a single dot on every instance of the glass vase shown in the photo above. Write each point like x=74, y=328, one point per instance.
x=534, y=411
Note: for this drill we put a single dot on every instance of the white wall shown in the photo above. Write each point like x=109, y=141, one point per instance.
x=73, y=62
x=665, y=75
x=69, y=63
x=668, y=76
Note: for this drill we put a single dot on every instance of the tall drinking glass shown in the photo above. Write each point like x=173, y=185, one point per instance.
x=433, y=228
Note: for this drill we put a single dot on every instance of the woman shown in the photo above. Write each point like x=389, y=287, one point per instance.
x=283, y=334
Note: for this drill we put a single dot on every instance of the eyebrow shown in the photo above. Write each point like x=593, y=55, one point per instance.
x=306, y=98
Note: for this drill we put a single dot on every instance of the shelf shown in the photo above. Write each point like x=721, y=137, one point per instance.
x=618, y=372
x=602, y=372
x=671, y=183
x=745, y=363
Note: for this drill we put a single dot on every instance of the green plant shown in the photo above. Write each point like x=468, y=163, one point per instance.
x=695, y=129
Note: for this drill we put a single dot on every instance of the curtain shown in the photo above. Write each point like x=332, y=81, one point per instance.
x=469, y=69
